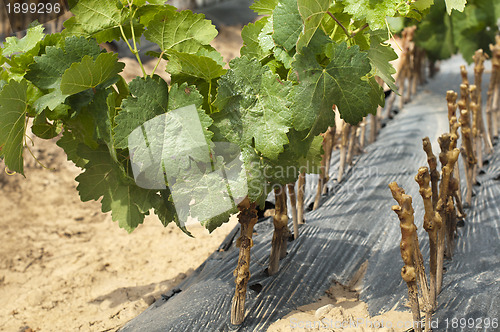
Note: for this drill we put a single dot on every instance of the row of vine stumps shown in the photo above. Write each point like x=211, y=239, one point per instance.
x=440, y=191
x=350, y=140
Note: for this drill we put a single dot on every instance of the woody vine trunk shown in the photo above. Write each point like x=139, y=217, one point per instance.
x=247, y=219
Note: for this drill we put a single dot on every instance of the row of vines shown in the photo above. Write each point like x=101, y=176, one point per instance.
x=441, y=190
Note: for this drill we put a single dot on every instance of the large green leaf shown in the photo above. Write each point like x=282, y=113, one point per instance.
x=339, y=83
x=254, y=106
x=312, y=12
x=89, y=73
x=127, y=202
x=13, y=108
x=181, y=31
x=287, y=24
x=422, y=5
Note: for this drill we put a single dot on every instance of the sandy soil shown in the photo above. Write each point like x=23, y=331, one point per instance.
x=341, y=310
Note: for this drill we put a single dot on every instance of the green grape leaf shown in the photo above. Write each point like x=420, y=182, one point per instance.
x=422, y=5
x=19, y=63
x=455, y=4
x=396, y=24
x=149, y=99
x=282, y=171
x=69, y=143
x=13, y=108
x=264, y=7
x=338, y=83
x=90, y=73
x=181, y=31
x=165, y=210
x=43, y=129
x=380, y=56
x=287, y=24
x=251, y=42
x=194, y=65
x=374, y=12
x=13, y=45
x=312, y=12
x=99, y=19
x=128, y=203
x=254, y=106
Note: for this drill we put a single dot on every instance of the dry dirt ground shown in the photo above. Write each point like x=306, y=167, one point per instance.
x=65, y=266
